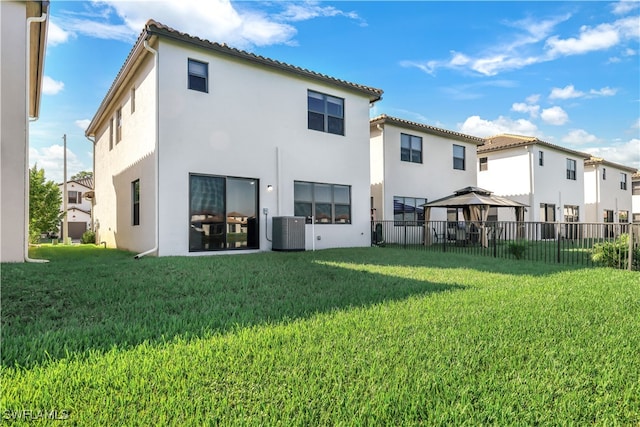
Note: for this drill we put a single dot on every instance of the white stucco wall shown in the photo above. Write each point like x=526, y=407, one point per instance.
x=432, y=179
x=253, y=124
x=13, y=125
x=130, y=159
x=605, y=194
x=510, y=172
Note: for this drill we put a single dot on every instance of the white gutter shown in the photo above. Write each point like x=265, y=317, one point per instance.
x=26, y=158
x=157, y=145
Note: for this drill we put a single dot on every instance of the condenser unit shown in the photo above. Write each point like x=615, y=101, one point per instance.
x=288, y=233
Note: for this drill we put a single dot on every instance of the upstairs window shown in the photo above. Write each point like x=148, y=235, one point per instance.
x=604, y=174
x=459, y=157
x=623, y=181
x=635, y=188
x=118, y=125
x=110, y=134
x=541, y=158
x=133, y=100
x=74, y=197
x=484, y=164
x=325, y=113
x=410, y=148
x=571, y=169
x=198, y=75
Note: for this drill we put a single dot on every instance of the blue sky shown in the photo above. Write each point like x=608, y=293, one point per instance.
x=565, y=72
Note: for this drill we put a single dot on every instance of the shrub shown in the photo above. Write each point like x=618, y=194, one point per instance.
x=88, y=237
x=517, y=248
x=615, y=253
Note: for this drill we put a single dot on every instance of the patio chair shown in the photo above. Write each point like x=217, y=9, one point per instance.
x=438, y=237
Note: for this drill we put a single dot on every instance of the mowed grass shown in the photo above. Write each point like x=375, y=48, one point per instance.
x=369, y=336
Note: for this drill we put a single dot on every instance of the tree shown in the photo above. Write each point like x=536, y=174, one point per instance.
x=82, y=175
x=44, y=204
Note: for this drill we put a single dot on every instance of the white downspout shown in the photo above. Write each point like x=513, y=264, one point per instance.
x=26, y=158
x=157, y=145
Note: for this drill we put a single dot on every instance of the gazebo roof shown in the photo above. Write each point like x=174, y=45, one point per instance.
x=469, y=196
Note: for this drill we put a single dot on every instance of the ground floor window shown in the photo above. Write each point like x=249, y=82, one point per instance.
x=327, y=203
x=135, y=202
x=408, y=209
x=222, y=213
x=623, y=216
x=571, y=213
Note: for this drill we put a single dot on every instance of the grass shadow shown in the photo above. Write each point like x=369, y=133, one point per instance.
x=90, y=299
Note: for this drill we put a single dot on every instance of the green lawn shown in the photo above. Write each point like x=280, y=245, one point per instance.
x=370, y=336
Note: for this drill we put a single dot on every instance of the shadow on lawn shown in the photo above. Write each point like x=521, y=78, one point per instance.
x=103, y=300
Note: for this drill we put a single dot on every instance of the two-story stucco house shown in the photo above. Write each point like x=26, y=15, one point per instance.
x=607, y=191
x=546, y=177
x=199, y=145
x=79, y=193
x=23, y=34
x=413, y=163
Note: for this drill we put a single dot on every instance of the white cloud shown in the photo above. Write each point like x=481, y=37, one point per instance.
x=56, y=35
x=627, y=153
x=534, y=42
x=522, y=107
x=51, y=159
x=83, y=124
x=304, y=11
x=624, y=7
x=533, y=99
x=636, y=124
x=475, y=125
x=579, y=137
x=554, y=116
x=567, y=92
x=51, y=86
x=216, y=20
x=601, y=37
x=605, y=91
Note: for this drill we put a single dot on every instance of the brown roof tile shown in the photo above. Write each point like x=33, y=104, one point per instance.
x=598, y=160
x=506, y=141
x=381, y=119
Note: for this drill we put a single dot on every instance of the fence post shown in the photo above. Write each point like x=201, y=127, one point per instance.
x=558, y=239
x=631, y=240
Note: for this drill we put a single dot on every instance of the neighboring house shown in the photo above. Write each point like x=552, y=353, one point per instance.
x=414, y=163
x=78, y=206
x=198, y=145
x=607, y=191
x=546, y=177
x=23, y=33
x=635, y=196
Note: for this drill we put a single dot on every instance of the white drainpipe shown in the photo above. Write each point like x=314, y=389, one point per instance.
x=157, y=145
x=26, y=158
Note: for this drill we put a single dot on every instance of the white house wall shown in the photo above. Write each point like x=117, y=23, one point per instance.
x=432, y=179
x=130, y=159
x=508, y=175
x=13, y=124
x=605, y=194
x=510, y=171
x=252, y=123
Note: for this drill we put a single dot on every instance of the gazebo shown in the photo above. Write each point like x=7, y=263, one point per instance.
x=475, y=203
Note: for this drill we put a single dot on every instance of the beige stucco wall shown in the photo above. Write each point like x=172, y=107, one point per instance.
x=13, y=136
x=130, y=159
x=253, y=124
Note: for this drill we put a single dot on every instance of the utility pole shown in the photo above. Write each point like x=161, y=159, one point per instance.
x=65, y=198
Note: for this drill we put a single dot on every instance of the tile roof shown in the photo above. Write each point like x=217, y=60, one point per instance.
x=598, y=160
x=382, y=119
x=154, y=28
x=506, y=141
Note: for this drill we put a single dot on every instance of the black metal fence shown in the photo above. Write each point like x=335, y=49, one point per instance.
x=589, y=244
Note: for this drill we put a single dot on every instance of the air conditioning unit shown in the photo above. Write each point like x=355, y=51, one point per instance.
x=288, y=233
